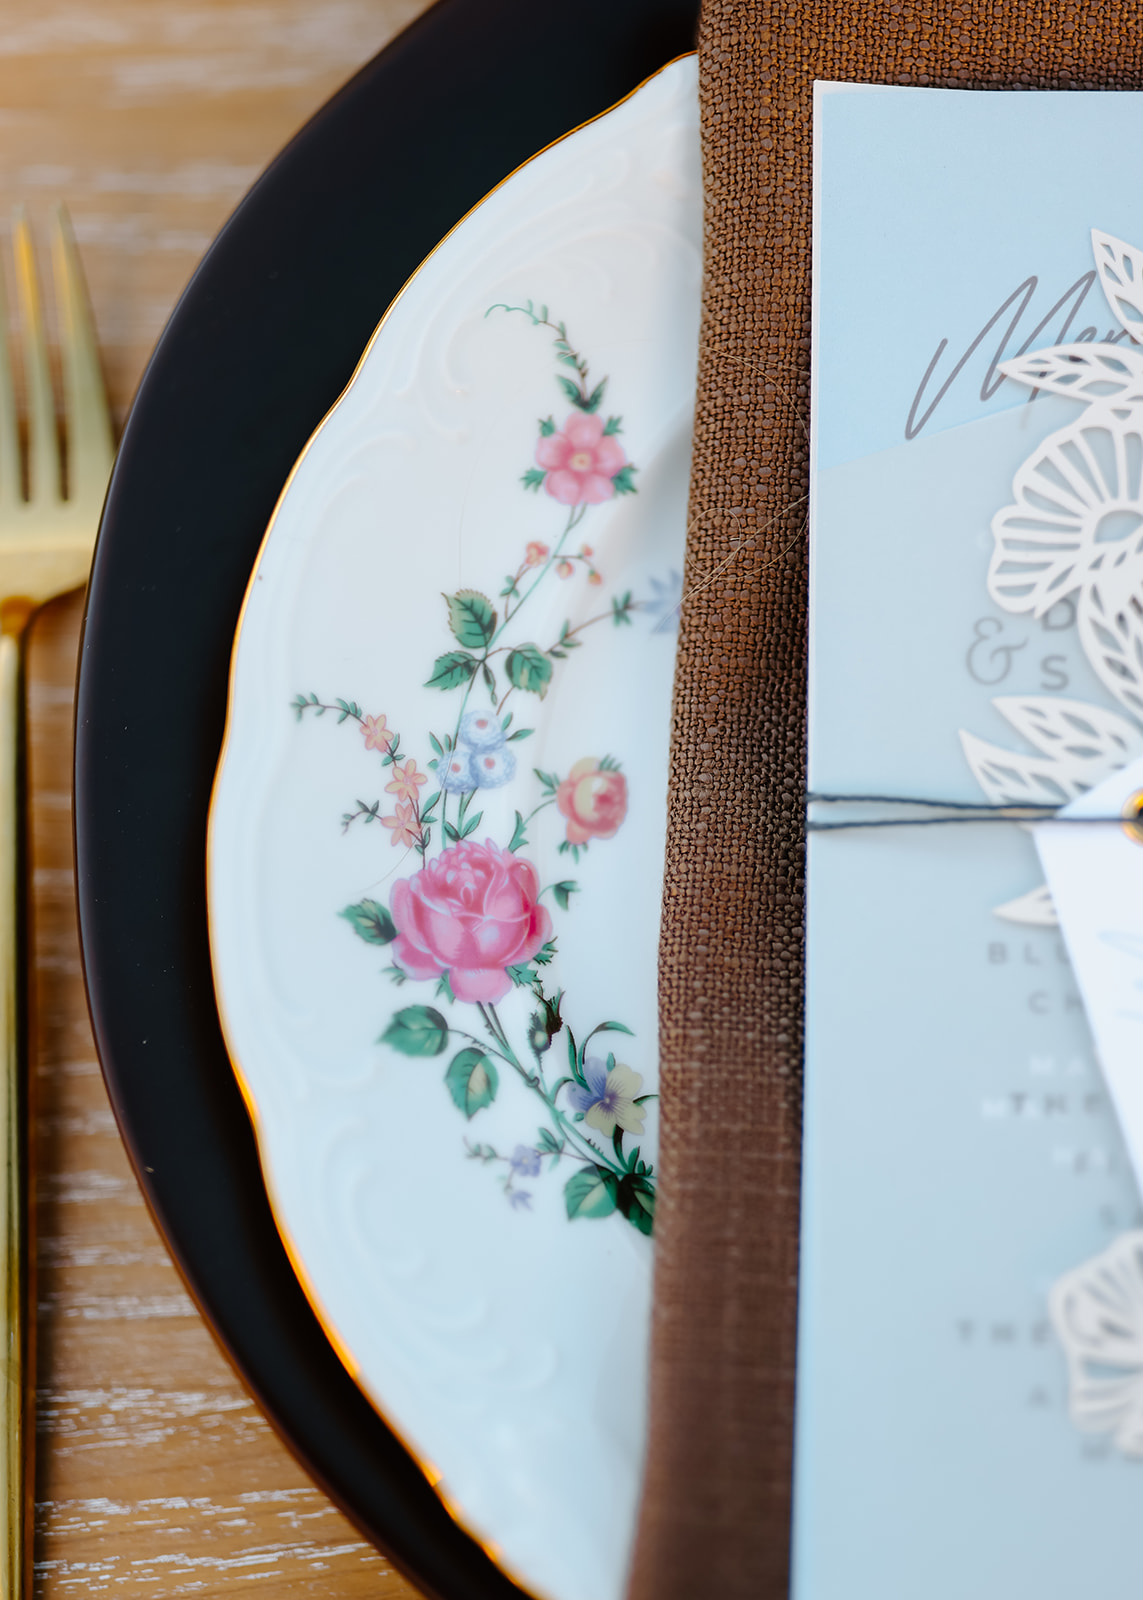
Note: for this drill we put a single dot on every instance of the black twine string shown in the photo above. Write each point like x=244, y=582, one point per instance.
x=962, y=811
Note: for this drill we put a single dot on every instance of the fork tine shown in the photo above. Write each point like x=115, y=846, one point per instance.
x=10, y=489
x=89, y=439
x=43, y=444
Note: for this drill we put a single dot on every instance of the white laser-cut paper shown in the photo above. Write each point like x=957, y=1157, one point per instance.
x=1075, y=531
x=1097, y=1312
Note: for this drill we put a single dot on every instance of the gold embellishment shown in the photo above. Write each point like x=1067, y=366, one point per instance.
x=1133, y=809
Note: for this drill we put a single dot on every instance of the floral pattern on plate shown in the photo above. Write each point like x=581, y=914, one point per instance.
x=474, y=920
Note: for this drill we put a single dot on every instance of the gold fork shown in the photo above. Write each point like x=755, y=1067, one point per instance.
x=46, y=540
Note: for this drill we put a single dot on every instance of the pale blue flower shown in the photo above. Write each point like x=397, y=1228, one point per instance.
x=666, y=598
x=481, y=730
x=455, y=772
x=492, y=769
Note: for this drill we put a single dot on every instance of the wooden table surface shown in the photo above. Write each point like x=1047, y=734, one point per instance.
x=157, y=1476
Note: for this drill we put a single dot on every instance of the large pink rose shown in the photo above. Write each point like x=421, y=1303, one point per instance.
x=472, y=912
x=594, y=800
x=580, y=461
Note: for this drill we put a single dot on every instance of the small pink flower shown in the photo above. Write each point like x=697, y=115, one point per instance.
x=472, y=912
x=406, y=829
x=594, y=578
x=564, y=569
x=376, y=731
x=587, y=551
x=535, y=554
x=406, y=781
x=580, y=461
x=594, y=800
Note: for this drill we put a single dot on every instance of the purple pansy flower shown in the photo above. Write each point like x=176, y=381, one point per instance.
x=609, y=1099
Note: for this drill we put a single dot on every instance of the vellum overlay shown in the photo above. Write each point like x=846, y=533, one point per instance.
x=970, y=1400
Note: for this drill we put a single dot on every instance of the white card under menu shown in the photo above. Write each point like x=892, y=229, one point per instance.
x=1095, y=875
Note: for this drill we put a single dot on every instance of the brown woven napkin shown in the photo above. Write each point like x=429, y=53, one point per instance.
x=716, y=1505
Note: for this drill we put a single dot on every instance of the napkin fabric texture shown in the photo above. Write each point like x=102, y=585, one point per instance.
x=716, y=1507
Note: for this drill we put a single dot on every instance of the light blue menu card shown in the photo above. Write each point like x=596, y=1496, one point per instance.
x=961, y=1154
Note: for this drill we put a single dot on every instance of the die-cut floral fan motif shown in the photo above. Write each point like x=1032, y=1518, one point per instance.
x=1074, y=531
x=1097, y=1312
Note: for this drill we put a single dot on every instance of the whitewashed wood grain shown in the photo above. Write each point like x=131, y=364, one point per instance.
x=151, y=118
x=157, y=1475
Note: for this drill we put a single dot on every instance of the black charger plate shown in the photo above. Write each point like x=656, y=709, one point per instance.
x=261, y=344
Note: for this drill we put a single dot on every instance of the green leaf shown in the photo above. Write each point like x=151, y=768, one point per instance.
x=562, y=892
x=622, y=483
x=430, y=806
x=519, y=835
x=533, y=478
x=594, y=399
x=436, y=744
x=472, y=824
x=591, y=1192
x=450, y=832
x=571, y=391
x=452, y=669
x=370, y=922
x=529, y=669
x=489, y=679
x=521, y=733
x=604, y=1027
x=547, y=1143
x=635, y=1198
x=523, y=974
x=613, y=425
x=547, y=427
x=472, y=618
x=417, y=1031
x=472, y=1080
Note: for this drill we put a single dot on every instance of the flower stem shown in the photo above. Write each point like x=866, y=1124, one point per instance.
x=535, y=1081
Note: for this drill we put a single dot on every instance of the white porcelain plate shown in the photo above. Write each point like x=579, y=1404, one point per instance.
x=437, y=836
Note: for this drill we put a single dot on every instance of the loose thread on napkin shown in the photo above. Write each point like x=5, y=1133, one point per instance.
x=746, y=543
x=962, y=811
